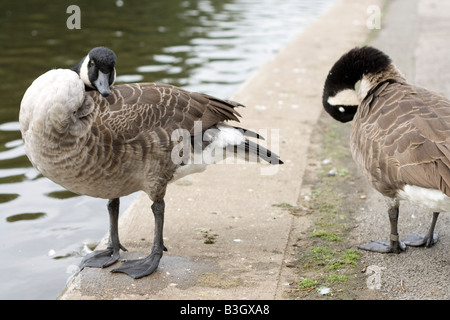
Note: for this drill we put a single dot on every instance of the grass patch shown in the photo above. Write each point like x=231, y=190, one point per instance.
x=330, y=258
x=325, y=259
x=294, y=210
x=336, y=278
x=327, y=235
x=307, y=284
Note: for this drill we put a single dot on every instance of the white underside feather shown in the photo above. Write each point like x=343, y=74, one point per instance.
x=431, y=199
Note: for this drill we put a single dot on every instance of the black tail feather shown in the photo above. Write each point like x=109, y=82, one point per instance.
x=260, y=151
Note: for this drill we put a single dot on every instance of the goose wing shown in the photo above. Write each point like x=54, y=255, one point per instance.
x=132, y=109
x=410, y=132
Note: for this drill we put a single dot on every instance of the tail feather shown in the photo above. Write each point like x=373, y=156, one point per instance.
x=250, y=134
x=260, y=151
x=222, y=141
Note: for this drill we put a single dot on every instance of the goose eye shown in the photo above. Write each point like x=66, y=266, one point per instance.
x=91, y=63
x=341, y=109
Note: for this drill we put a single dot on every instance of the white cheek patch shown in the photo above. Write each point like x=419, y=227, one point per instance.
x=364, y=88
x=84, y=72
x=114, y=79
x=347, y=97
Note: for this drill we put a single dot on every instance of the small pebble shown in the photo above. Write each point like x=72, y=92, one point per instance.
x=332, y=172
x=324, y=290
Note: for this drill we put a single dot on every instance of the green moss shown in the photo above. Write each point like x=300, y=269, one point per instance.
x=321, y=255
x=336, y=278
x=335, y=266
x=325, y=257
x=295, y=210
x=327, y=235
x=307, y=284
x=284, y=205
x=351, y=255
x=208, y=236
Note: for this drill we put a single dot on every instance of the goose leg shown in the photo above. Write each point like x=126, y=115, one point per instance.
x=143, y=267
x=428, y=240
x=109, y=256
x=394, y=245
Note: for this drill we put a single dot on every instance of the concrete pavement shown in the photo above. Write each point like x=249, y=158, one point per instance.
x=232, y=205
x=416, y=35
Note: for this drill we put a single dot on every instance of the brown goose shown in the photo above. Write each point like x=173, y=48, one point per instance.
x=141, y=137
x=400, y=137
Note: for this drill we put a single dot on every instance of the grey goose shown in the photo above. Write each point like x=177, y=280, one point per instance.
x=400, y=137
x=111, y=142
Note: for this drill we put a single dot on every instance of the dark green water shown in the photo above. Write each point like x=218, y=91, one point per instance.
x=209, y=46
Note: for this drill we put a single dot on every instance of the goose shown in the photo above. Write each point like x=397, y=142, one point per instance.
x=97, y=70
x=399, y=138
x=111, y=142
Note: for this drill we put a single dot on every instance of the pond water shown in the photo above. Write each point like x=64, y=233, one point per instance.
x=209, y=46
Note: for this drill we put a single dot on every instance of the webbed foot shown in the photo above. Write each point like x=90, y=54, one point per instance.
x=419, y=240
x=384, y=246
x=142, y=267
x=101, y=258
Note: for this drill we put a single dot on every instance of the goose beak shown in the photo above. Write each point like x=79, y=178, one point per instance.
x=102, y=83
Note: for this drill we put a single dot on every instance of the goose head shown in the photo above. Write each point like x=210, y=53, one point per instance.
x=97, y=70
x=352, y=77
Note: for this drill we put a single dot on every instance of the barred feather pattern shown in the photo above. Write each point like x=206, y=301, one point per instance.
x=400, y=136
x=114, y=146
